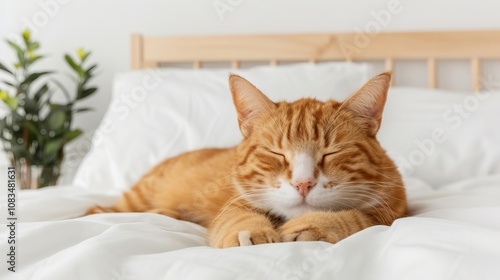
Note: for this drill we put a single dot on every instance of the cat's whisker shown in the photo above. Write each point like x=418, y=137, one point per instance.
x=391, y=179
x=379, y=200
x=354, y=191
x=355, y=205
x=378, y=184
x=350, y=194
x=371, y=193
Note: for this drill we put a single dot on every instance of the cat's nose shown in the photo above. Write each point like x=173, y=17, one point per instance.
x=303, y=186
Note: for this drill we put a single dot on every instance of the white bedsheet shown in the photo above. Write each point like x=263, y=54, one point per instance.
x=454, y=233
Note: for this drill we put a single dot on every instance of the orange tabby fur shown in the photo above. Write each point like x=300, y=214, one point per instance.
x=306, y=170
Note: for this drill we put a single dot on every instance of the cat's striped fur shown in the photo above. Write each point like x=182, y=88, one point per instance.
x=306, y=170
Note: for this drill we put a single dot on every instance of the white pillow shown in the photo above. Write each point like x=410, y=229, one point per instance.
x=157, y=115
x=428, y=138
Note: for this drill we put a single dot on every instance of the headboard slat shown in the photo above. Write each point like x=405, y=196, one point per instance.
x=136, y=51
x=431, y=72
x=476, y=74
x=196, y=64
x=235, y=64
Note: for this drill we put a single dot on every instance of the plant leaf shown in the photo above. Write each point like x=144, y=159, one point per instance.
x=63, y=89
x=19, y=51
x=87, y=92
x=11, y=102
x=3, y=124
x=19, y=151
x=86, y=56
x=73, y=65
x=56, y=119
x=35, y=131
x=51, y=150
x=73, y=134
x=49, y=175
x=90, y=70
x=9, y=84
x=34, y=46
x=30, y=106
x=35, y=58
x=2, y=67
x=31, y=78
x=17, y=119
x=81, y=110
x=41, y=91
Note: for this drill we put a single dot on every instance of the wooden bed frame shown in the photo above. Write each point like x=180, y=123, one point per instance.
x=151, y=52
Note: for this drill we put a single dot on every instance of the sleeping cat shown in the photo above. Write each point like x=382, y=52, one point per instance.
x=306, y=170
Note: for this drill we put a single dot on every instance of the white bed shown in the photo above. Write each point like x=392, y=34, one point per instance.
x=452, y=232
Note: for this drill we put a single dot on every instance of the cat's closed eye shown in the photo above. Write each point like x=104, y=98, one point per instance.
x=329, y=154
x=277, y=154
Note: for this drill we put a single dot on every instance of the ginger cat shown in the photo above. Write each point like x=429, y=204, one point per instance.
x=305, y=171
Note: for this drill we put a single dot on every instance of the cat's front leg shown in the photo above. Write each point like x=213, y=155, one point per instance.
x=236, y=227
x=324, y=226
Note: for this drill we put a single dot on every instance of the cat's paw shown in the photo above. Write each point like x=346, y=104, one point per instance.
x=248, y=237
x=298, y=230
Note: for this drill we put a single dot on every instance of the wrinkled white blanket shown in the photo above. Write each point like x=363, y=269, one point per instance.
x=453, y=233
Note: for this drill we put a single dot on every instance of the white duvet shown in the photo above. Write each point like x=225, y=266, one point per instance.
x=453, y=233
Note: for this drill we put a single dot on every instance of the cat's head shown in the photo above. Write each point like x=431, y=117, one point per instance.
x=311, y=155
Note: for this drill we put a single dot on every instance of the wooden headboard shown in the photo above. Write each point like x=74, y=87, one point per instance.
x=151, y=52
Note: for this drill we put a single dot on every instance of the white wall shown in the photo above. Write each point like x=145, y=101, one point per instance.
x=104, y=26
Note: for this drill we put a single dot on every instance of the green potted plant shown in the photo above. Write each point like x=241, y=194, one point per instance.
x=36, y=129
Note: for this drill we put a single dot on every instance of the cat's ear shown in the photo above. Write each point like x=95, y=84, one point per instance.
x=249, y=101
x=369, y=101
